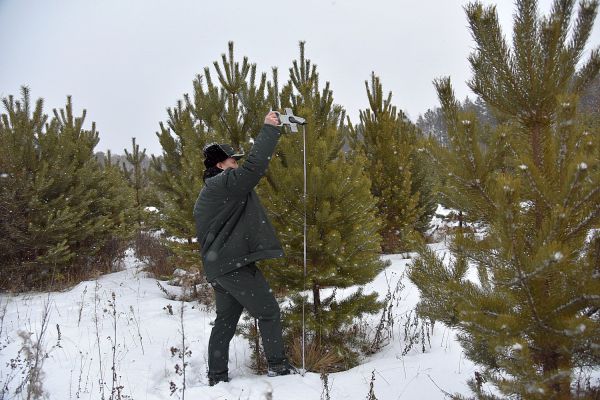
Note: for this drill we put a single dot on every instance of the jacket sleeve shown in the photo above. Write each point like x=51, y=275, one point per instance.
x=243, y=179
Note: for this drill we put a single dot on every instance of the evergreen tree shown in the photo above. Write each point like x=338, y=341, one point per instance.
x=484, y=115
x=532, y=315
x=136, y=177
x=64, y=217
x=398, y=173
x=343, y=240
x=433, y=126
x=233, y=109
x=176, y=177
x=229, y=111
x=590, y=99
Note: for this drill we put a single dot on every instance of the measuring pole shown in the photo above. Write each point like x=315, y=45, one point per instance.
x=304, y=289
x=292, y=121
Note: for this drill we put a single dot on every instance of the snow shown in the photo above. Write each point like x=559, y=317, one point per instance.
x=148, y=326
x=443, y=211
x=526, y=205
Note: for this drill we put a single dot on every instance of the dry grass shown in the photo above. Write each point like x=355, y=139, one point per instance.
x=150, y=249
x=318, y=357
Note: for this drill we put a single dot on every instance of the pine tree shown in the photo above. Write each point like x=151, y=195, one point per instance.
x=398, y=173
x=176, y=177
x=137, y=179
x=230, y=110
x=433, y=126
x=64, y=216
x=233, y=109
x=531, y=317
x=343, y=240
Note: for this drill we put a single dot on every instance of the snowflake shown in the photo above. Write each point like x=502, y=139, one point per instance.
x=517, y=347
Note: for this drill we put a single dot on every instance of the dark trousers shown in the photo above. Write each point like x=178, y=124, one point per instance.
x=247, y=288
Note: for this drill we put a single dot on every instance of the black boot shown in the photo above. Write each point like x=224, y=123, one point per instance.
x=280, y=368
x=213, y=379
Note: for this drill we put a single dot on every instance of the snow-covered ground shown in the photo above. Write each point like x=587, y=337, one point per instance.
x=83, y=322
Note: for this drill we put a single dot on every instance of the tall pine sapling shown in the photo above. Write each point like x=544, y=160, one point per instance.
x=137, y=178
x=343, y=239
x=398, y=175
x=529, y=317
x=230, y=110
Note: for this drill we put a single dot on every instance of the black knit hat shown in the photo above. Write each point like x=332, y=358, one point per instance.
x=215, y=153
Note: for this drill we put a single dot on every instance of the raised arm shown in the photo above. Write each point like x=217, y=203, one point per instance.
x=243, y=179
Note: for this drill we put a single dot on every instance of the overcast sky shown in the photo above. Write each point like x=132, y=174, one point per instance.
x=126, y=61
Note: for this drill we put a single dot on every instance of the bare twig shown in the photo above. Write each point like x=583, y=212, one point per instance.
x=184, y=350
x=81, y=305
x=100, y=372
x=137, y=325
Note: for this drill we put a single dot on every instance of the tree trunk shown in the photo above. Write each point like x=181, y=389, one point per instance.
x=316, y=299
x=552, y=363
x=536, y=150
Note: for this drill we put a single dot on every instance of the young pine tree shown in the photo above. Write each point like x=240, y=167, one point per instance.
x=176, y=178
x=233, y=108
x=531, y=317
x=62, y=215
x=229, y=111
x=397, y=171
x=343, y=239
x=137, y=178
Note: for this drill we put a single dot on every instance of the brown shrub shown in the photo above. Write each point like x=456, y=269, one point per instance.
x=151, y=250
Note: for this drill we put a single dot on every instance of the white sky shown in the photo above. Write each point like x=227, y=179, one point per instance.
x=126, y=61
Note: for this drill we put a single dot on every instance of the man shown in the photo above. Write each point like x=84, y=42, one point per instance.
x=234, y=232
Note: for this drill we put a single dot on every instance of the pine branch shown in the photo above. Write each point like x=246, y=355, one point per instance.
x=590, y=299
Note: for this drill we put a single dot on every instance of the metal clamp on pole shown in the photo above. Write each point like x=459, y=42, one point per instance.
x=290, y=119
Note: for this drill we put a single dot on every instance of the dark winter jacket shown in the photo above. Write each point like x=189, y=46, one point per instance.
x=232, y=226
